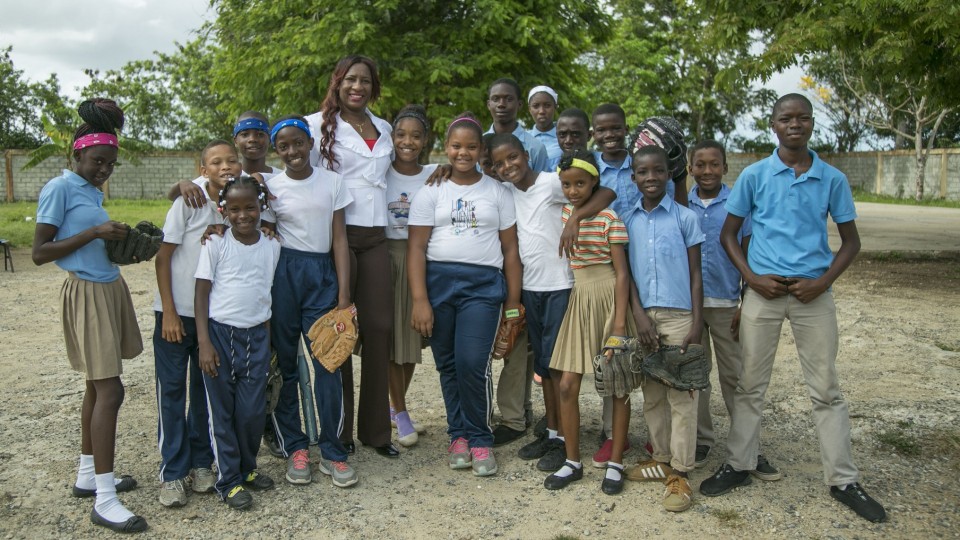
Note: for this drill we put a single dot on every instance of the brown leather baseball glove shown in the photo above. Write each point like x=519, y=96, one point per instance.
x=334, y=336
x=510, y=328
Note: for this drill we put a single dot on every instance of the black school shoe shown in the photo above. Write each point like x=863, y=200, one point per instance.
x=702, y=452
x=126, y=483
x=503, y=435
x=559, y=482
x=724, y=480
x=613, y=487
x=133, y=525
x=555, y=457
x=540, y=428
x=854, y=497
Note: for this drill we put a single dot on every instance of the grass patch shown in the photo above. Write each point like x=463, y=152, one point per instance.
x=909, y=440
x=900, y=441
x=15, y=228
x=860, y=195
x=729, y=518
x=905, y=256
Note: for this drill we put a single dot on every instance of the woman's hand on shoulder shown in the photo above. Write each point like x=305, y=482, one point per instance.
x=111, y=230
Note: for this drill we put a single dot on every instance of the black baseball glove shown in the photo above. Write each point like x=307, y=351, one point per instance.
x=665, y=132
x=681, y=371
x=141, y=244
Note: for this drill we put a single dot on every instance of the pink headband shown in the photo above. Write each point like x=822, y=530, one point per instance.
x=95, y=139
x=465, y=119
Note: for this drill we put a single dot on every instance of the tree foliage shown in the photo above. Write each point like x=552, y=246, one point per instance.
x=440, y=54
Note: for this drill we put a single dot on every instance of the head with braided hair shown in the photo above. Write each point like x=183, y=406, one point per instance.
x=241, y=201
x=579, y=176
x=95, y=145
x=354, y=84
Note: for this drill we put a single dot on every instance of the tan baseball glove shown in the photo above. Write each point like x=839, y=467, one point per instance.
x=510, y=328
x=334, y=336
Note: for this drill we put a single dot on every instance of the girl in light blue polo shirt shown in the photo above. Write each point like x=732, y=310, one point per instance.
x=99, y=324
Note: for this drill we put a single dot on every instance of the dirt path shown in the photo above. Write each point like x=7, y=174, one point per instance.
x=898, y=365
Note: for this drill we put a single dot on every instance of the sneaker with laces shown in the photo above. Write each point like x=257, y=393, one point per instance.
x=483, y=462
x=677, y=495
x=257, y=481
x=340, y=472
x=700, y=457
x=855, y=498
x=724, y=480
x=602, y=456
x=204, y=480
x=534, y=450
x=298, y=467
x=173, y=494
x=458, y=454
x=649, y=470
x=765, y=471
x=239, y=498
x=555, y=457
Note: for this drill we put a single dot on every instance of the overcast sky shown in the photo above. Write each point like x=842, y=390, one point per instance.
x=67, y=36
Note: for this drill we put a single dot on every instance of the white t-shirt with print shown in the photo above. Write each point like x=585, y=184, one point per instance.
x=304, y=209
x=242, y=276
x=400, y=191
x=539, y=225
x=466, y=220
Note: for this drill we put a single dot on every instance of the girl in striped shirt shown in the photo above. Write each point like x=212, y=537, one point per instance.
x=597, y=309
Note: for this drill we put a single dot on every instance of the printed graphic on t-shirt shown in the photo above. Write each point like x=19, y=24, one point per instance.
x=400, y=210
x=463, y=218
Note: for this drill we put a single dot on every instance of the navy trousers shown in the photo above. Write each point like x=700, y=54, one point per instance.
x=304, y=289
x=466, y=301
x=545, y=311
x=183, y=435
x=237, y=399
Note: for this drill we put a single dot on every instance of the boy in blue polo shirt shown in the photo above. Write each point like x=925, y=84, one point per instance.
x=503, y=102
x=667, y=300
x=789, y=270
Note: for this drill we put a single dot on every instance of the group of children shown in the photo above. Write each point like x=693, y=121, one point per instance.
x=593, y=246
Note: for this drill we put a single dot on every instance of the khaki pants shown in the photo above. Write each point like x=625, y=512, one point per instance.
x=718, y=339
x=671, y=415
x=514, y=385
x=814, y=328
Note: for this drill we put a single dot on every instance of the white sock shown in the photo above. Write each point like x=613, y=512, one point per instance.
x=614, y=471
x=85, y=473
x=108, y=505
x=561, y=438
x=551, y=433
x=568, y=468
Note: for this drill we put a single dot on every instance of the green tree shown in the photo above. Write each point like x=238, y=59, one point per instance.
x=658, y=63
x=440, y=54
x=18, y=123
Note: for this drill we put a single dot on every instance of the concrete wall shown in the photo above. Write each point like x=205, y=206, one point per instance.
x=887, y=173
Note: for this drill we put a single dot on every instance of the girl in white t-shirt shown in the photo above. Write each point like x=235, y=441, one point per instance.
x=309, y=213
x=461, y=233
x=404, y=178
x=232, y=308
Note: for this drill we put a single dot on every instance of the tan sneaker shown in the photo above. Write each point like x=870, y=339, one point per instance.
x=204, y=480
x=173, y=494
x=677, y=495
x=649, y=471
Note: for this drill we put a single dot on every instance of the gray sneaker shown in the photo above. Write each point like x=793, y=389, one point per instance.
x=298, y=468
x=484, y=464
x=204, y=480
x=173, y=494
x=340, y=472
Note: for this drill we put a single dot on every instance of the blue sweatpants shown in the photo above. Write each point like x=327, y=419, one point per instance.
x=545, y=311
x=304, y=289
x=237, y=399
x=183, y=435
x=466, y=301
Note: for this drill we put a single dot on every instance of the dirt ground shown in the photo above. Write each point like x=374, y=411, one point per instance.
x=898, y=363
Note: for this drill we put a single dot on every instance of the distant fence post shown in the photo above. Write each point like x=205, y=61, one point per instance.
x=943, y=173
x=8, y=157
x=878, y=181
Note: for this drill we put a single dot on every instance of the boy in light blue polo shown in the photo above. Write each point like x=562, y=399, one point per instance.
x=667, y=301
x=789, y=270
x=503, y=102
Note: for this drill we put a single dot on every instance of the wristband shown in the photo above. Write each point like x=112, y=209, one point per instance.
x=512, y=313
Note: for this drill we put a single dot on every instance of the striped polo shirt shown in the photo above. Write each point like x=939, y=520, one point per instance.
x=596, y=235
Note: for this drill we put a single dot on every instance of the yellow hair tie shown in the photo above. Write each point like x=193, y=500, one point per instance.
x=583, y=165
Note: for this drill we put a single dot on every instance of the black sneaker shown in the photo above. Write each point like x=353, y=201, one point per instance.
x=270, y=441
x=540, y=428
x=765, y=471
x=554, y=458
x=724, y=480
x=857, y=500
x=239, y=498
x=257, y=481
x=701, y=457
x=559, y=482
x=503, y=435
x=535, y=450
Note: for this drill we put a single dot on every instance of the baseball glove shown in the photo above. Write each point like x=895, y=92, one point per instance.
x=333, y=337
x=680, y=371
x=618, y=375
x=507, y=334
x=665, y=132
x=274, y=382
x=141, y=244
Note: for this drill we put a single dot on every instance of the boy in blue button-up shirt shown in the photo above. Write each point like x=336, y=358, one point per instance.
x=667, y=300
x=789, y=270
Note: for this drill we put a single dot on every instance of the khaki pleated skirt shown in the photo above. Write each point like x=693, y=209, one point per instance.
x=406, y=341
x=99, y=326
x=588, y=320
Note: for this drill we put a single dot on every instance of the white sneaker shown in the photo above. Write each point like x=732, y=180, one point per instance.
x=173, y=494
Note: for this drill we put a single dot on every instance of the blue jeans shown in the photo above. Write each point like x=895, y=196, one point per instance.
x=466, y=301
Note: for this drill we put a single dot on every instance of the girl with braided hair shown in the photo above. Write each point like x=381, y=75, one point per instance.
x=355, y=143
x=99, y=323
